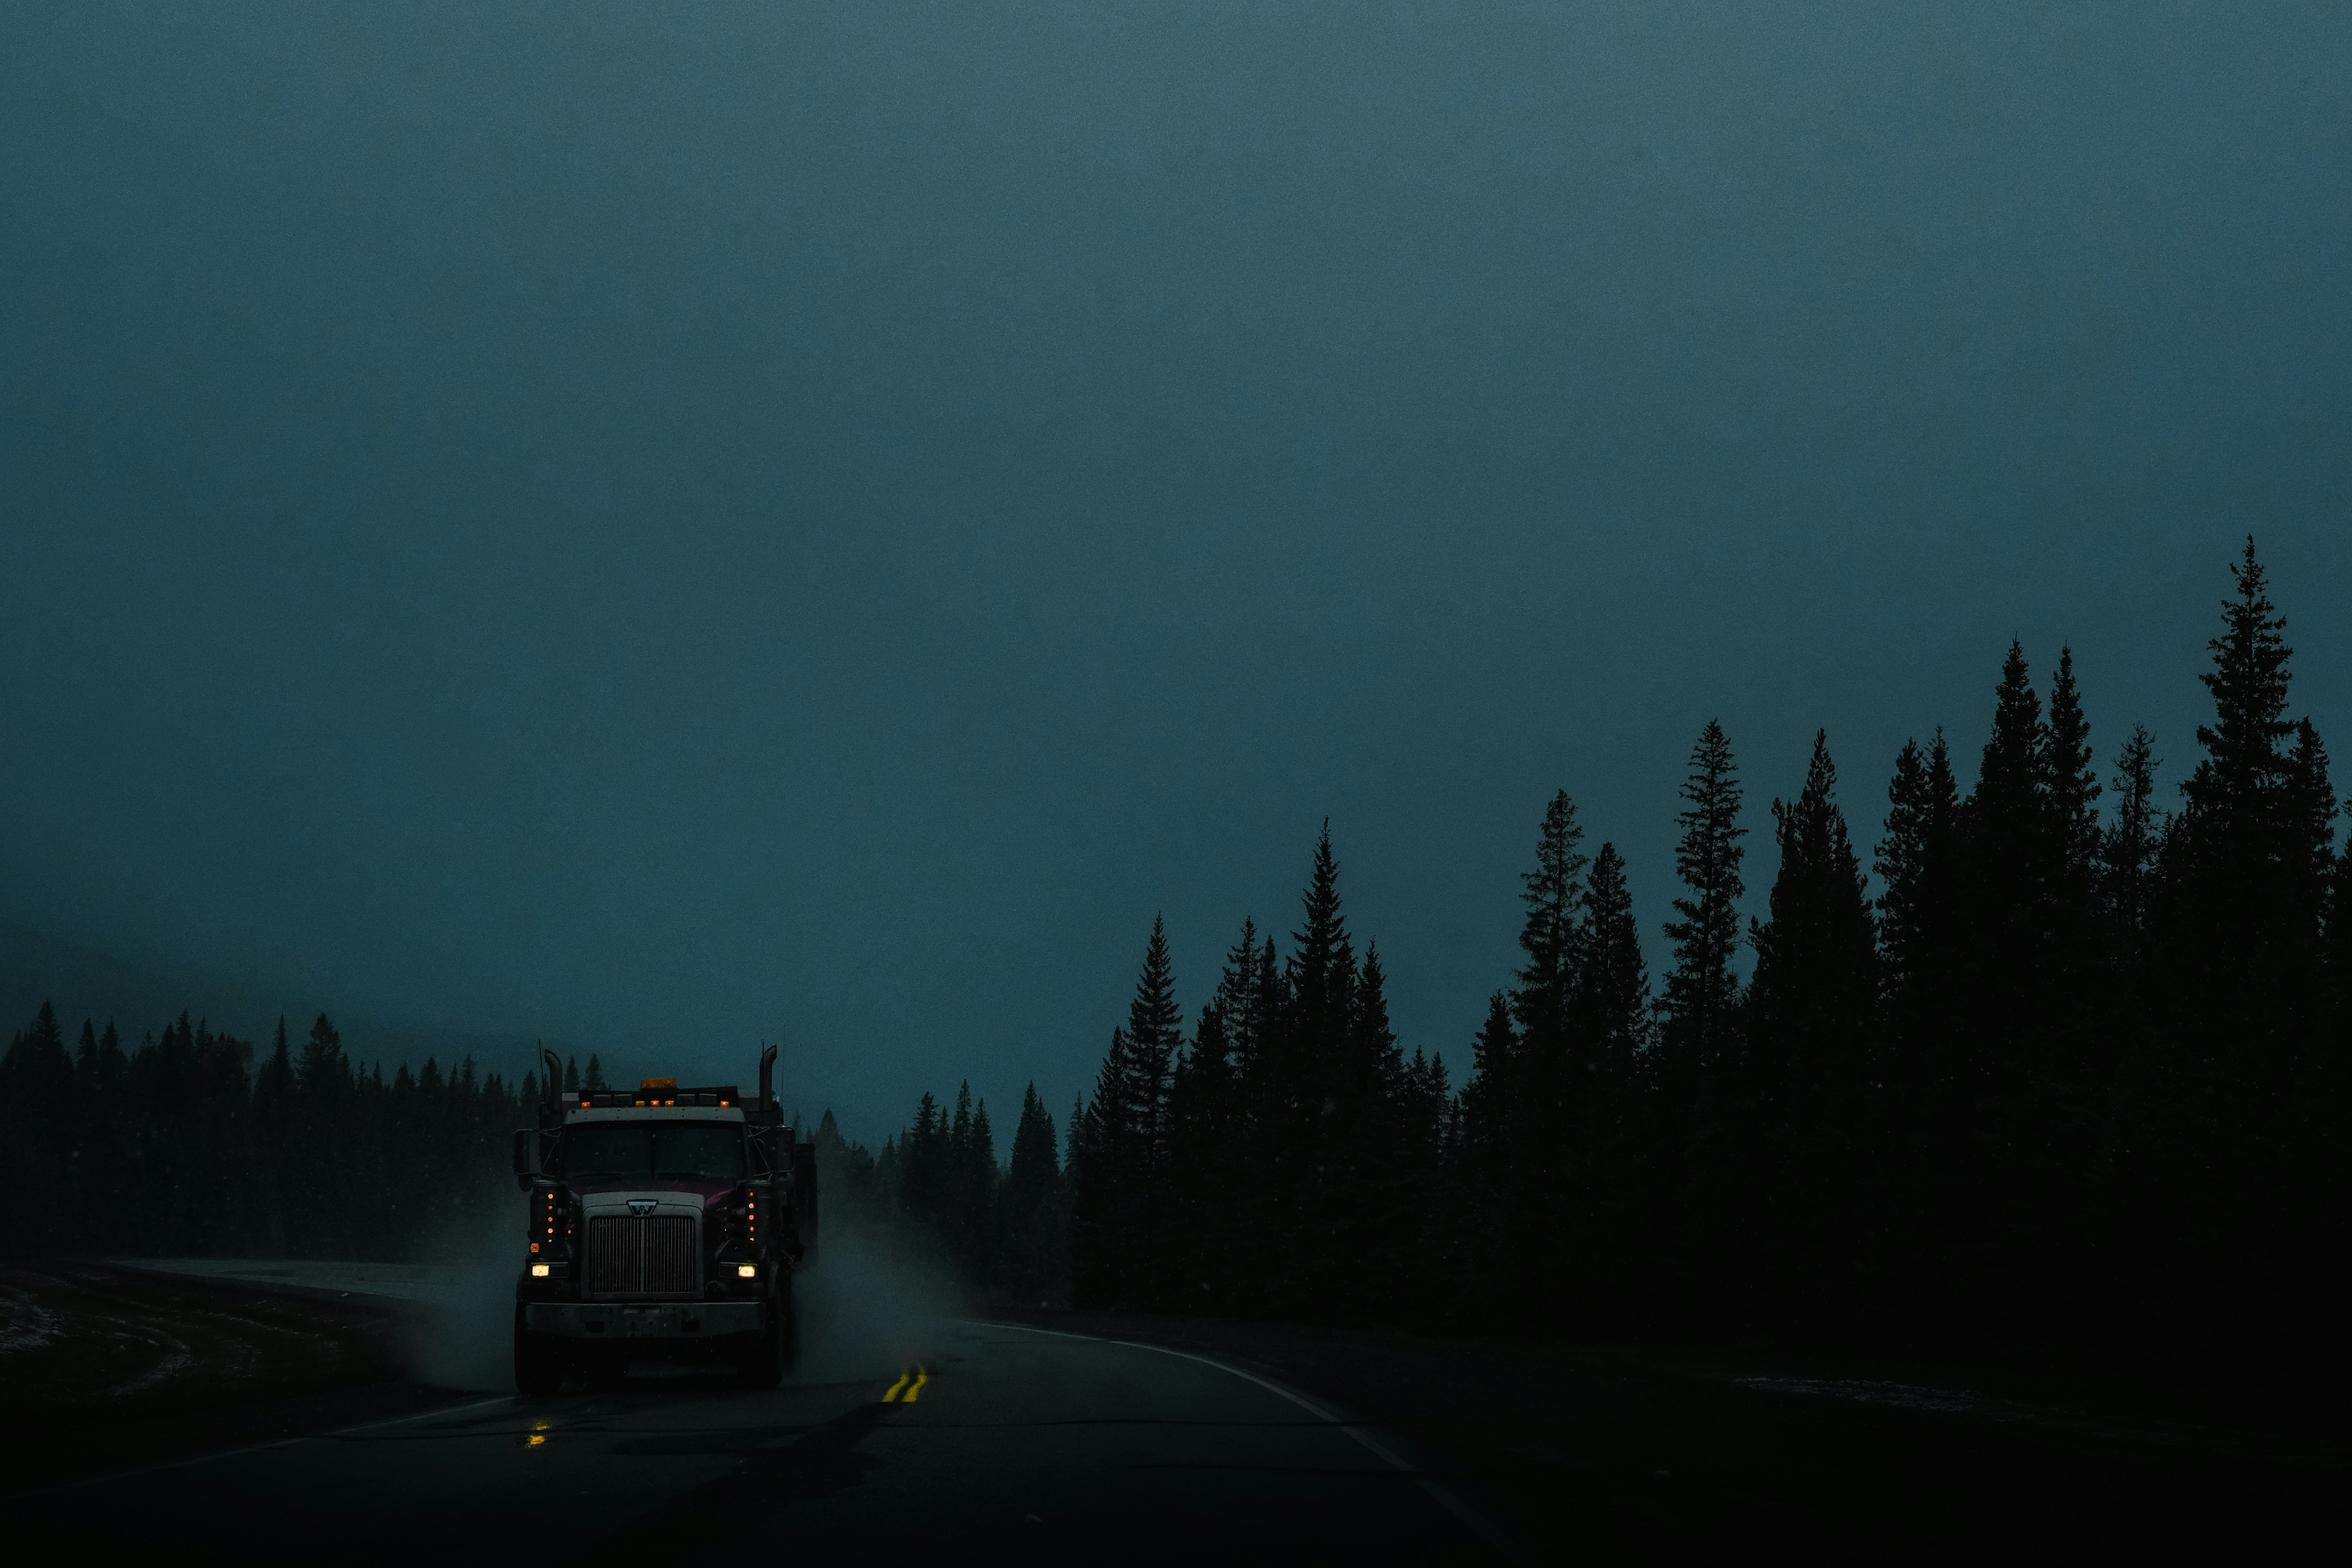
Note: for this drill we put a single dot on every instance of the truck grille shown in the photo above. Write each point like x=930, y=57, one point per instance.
x=633, y=1255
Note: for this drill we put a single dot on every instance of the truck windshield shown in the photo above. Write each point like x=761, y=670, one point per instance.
x=615, y=1150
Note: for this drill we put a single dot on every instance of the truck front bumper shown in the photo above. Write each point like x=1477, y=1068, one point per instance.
x=643, y=1320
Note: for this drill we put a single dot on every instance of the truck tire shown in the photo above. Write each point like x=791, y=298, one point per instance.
x=773, y=1349
x=540, y=1360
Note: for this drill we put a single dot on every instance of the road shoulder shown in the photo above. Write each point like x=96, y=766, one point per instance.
x=1651, y=1455
x=105, y=1368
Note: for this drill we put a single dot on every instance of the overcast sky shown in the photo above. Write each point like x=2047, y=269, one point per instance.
x=668, y=526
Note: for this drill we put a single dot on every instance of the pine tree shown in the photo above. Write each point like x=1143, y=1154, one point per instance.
x=922, y=1166
x=1549, y=936
x=323, y=1070
x=1033, y=1225
x=1311, y=1012
x=1812, y=1081
x=1366, y=1222
x=967, y=1198
x=2232, y=790
x=1488, y=1097
x=1155, y=1032
x=2015, y=1053
x=1613, y=990
x=1919, y=914
x=2074, y=785
x=1116, y=1165
x=1546, y=1148
x=2308, y=852
x=1242, y=1004
x=1702, y=994
x=593, y=1078
x=1481, y=1176
x=2249, y=863
x=2227, y=1157
x=2128, y=848
x=1816, y=983
x=1318, y=980
x=1425, y=1103
x=1611, y=1197
x=1203, y=1148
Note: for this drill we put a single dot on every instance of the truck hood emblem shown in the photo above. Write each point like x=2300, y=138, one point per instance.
x=642, y=1205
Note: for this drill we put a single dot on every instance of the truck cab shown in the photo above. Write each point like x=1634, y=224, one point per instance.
x=662, y=1221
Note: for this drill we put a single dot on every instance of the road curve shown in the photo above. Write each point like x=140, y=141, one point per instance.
x=998, y=1439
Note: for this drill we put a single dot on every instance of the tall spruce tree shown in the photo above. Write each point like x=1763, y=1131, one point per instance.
x=1815, y=987
x=2127, y=853
x=1812, y=1083
x=1702, y=993
x=1366, y=1190
x=2229, y=1163
x=2074, y=797
x=1201, y=1152
x=1554, y=1091
x=1033, y=1228
x=1319, y=983
x=2247, y=863
x=2239, y=859
x=1116, y=1170
x=2012, y=863
x=1610, y=1027
x=1918, y=912
x=1613, y=1006
x=1292, y=1124
x=1552, y=894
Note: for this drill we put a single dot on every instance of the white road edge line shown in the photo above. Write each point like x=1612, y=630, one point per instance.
x=1487, y=1529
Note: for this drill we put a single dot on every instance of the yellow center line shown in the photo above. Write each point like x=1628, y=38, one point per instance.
x=922, y=1376
x=895, y=1387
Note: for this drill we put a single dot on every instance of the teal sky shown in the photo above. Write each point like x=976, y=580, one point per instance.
x=667, y=526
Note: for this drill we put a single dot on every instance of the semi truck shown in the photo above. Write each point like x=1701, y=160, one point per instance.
x=663, y=1221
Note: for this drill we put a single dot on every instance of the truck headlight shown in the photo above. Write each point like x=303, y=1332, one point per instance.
x=747, y=1271
x=539, y=1271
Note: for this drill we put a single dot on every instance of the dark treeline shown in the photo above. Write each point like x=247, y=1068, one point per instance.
x=1004, y=1228
x=2057, y=1075
x=194, y=1144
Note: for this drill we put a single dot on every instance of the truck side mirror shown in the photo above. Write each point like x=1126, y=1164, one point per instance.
x=524, y=1160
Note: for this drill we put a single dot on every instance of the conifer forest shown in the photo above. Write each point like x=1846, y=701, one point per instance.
x=2050, y=1064
x=2056, y=1061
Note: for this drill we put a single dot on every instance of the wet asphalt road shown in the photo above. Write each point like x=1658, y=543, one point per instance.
x=996, y=1443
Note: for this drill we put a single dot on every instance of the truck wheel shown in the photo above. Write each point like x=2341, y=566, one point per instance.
x=540, y=1361
x=769, y=1352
